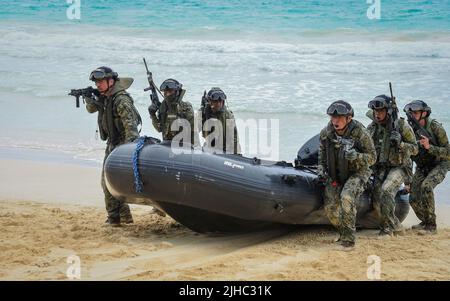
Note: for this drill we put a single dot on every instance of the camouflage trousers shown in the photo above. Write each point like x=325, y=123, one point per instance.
x=386, y=185
x=421, y=198
x=340, y=204
x=115, y=208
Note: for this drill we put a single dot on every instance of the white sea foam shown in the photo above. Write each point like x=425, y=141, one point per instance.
x=293, y=76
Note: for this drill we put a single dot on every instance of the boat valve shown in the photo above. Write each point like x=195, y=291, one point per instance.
x=279, y=207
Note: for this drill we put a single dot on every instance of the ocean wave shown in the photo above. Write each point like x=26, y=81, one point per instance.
x=53, y=60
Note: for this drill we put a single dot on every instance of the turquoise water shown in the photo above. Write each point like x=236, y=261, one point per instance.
x=249, y=16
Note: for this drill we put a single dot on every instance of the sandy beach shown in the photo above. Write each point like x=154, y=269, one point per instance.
x=50, y=212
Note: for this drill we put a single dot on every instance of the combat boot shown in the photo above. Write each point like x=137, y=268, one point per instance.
x=112, y=221
x=420, y=226
x=385, y=233
x=346, y=245
x=431, y=228
x=399, y=231
x=127, y=219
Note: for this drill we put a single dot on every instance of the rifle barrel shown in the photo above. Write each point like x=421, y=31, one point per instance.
x=390, y=89
x=145, y=63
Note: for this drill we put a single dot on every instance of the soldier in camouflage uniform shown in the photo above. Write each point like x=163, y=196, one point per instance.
x=393, y=165
x=118, y=122
x=216, y=115
x=433, y=162
x=346, y=153
x=173, y=108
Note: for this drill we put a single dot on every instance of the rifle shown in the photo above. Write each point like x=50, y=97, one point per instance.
x=204, y=107
x=346, y=143
x=393, y=111
x=418, y=129
x=154, y=107
x=204, y=101
x=86, y=92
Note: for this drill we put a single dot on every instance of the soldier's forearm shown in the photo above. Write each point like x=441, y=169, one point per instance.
x=440, y=152
x=91, y=108
x=412, y=148
x=322, y=160
x=156, y=125
x=321, y=155
x=155, y=122
x=409, y=143
x=366, y=159
x=443, y=149
x=131, y=135
x=91, y=105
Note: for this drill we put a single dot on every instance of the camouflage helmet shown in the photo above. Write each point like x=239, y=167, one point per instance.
x=171, y=84
x=103, y=72
x=216, y=94
x=417, y=105
x=380, y=102
x=340, y=108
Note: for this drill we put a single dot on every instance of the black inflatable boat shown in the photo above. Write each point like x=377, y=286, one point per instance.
x=209, y=192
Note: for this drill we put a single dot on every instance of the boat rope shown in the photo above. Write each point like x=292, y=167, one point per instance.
x=138, y=184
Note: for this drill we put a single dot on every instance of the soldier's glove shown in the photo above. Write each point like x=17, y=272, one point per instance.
x=89, y=100
x=351, y=155
x=396, y=137
x=92, y=101
x=152, y=109
x=321, y=177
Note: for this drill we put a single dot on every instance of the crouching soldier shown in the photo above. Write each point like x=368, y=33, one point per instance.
x=346, y=153
x=432, y=162
x=218, y=124
x=118, y=121
x=393, y=166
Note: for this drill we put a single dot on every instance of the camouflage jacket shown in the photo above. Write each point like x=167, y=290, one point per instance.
x=392, y=156
x=169, y=112
x=118, y=118
x=331, y=152
x=226, y=119
x=436, y=153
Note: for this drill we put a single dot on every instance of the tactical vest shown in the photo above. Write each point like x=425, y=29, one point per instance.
x=168, y=113
x=387, y=156
x=111, y=128
x=382, y=146
x=221, y=116
x=338, y=166
x=424, y=159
